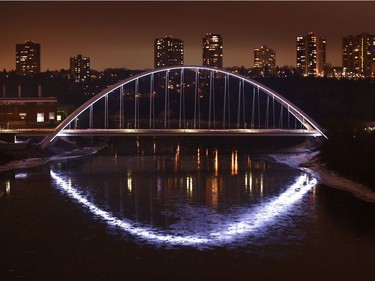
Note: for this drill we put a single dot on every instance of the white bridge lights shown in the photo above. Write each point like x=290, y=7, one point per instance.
x=191, y=97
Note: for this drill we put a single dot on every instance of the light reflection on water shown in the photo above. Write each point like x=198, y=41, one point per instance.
x=225, y=228
x=210, y=199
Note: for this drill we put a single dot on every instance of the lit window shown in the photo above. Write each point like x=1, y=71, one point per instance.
x=40, y=117
x=51, y=116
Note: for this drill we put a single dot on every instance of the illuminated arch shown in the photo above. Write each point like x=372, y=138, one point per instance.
x=302, y=117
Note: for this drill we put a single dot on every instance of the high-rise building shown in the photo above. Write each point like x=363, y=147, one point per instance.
x=311, y=55
x=80, y=68
x=28, y=58
x=168, y=51
x=358, y=54
x=264, y=60
x=213, y=50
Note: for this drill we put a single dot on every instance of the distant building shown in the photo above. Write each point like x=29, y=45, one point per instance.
x=168, y=51
x=213, y=50
x=358, y=55
x=28, y=58
x=311, y=55
x=27, y=112
x=264, y=61
x=80, y=68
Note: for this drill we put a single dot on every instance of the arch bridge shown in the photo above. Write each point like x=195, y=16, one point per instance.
x=187, y=100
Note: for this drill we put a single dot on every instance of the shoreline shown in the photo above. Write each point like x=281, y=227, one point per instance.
x=38, y=161
x=304, y=158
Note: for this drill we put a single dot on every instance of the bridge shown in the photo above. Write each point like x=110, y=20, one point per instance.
x=186, y=100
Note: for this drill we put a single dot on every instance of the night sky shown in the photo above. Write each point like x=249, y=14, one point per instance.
x=121, y=34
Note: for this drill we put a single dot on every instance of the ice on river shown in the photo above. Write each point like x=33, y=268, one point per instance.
x=34, y=162
x=302, y=157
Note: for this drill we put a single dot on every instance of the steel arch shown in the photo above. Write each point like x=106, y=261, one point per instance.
x=301, y=116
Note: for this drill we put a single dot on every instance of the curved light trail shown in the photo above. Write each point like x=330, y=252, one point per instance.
x=250, y=222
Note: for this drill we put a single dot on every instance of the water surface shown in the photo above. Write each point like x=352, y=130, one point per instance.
x=150, y=210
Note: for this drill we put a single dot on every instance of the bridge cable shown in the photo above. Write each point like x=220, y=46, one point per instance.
x=210, y=101
x=253, y=110
x=243, y=103
x=166, y=97
x=195, y=98
x=91, y=117
x=106, y=111
x=239, y=104
x=273, y=107
x=225, y=98
x=151, y=99
x=136, y=107
x=181, y=97
x=258, y=108
x=213, y=99
x=121, y=125
x=267, y=112
x=281, y=116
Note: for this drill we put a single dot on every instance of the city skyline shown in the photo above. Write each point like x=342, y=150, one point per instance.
x=121, y=34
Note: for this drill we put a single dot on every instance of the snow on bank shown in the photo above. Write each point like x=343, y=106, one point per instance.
x=34, y=162
x=303, y=157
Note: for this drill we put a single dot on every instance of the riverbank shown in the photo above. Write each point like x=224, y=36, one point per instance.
x=31, y=162
x=304, y=156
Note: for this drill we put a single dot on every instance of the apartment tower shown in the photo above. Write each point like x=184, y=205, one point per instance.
x=311, y=55
x=213, y=50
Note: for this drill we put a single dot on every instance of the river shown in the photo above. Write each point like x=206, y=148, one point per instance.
x=156, y=209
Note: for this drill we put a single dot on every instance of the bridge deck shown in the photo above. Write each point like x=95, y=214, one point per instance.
x=164, y=132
